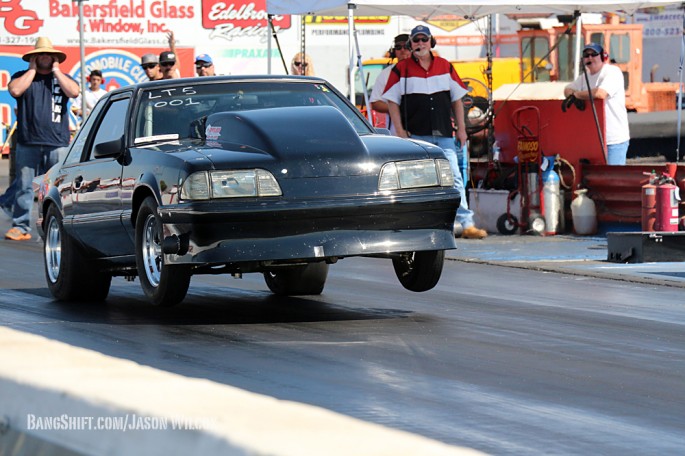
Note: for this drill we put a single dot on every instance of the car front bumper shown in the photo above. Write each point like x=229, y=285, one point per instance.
x=221, y=232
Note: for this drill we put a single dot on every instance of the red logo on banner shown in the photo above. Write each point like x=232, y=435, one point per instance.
x=19, y=21
x=4, y=79
x=239, y=18
x=5, y=114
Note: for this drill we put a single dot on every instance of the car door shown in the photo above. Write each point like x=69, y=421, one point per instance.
x=96, y=186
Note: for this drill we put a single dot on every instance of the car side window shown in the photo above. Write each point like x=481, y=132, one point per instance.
x=112, y=125
x=76, y=150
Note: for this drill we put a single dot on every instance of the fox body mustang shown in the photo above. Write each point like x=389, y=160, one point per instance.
x=276, y=175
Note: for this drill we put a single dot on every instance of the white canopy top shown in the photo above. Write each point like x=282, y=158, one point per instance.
x=425, y=9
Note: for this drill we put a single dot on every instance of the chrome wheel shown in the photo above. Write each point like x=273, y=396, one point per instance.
x=165, y=285
x=69, y=273
x=53, y=250
x=152, y=251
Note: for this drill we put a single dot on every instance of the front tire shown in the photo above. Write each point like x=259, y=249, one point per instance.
x=419, y=271
x=165, y=285
x=298, y=280
x=69, y=275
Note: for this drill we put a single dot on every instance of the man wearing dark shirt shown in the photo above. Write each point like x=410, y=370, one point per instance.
x=42, y=93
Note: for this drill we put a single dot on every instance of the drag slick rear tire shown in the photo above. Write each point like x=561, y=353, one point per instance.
x=419, y=271
x=68, y=273
x=165, y=285
x=297, y=280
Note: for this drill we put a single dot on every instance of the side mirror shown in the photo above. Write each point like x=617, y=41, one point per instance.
x=112, y=148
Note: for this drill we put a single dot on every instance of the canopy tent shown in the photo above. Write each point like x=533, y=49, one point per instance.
x=425, y=9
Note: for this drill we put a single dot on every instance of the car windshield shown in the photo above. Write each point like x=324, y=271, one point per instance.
x=179, y=112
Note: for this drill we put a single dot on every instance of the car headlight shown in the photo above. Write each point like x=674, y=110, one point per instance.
x=230, y=184
x=415, y=174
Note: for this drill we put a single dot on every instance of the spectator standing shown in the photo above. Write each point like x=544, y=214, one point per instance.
x=150, y=64
x=92, y=94
x=423, y=93
x=204, y=66
x=399, y=51
x=607, y=83
x=301, y=65
x=42, y=93
x=7, y=198
x=168, y=61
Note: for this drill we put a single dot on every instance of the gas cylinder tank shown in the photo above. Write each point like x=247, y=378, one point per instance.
x=551, y=200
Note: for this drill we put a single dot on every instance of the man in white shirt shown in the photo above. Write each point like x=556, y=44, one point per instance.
x=399, y=51
x=93, y=93
x=606, y=83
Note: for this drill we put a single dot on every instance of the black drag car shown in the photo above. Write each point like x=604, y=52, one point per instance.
x=275, y=175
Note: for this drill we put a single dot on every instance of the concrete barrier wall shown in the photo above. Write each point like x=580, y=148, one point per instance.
x=96, y=405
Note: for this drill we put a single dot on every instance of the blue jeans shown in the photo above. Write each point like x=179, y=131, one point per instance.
x=464, y=214
x=30, y=161
x=7, y=198
x=616, y=153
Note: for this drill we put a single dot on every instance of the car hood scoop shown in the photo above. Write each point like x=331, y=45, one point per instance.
x=312, y=141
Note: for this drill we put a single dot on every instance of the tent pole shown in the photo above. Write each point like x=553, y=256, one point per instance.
x=278, y=43
x=350, y=45
x=680, y=92
x=82, y=50
x=594, y=112
x=369, y=114
x=490, y=122
x=303, y=38
x=579, y=46
x=268, y=44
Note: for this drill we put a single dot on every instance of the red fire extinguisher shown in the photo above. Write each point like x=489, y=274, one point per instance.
x=649, y=202
x=667, y=197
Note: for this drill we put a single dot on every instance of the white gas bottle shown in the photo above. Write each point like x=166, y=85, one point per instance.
x=551, y=198
x=584, y=213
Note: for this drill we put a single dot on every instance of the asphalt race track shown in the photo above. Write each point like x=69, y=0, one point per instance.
x=505, y=360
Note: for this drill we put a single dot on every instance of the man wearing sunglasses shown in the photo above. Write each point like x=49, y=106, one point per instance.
x=168, y=62
x=424, y=93
x=204, y=66
x=606, y=83
x=150, y=64
x=399, y=51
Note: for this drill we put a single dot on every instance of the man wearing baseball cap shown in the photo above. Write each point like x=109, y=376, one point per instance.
x=42, y=93
x=423, y=93
x=150, y=64
x=399, y=51
x=606, y=83
x=167, y=62
x=171, y=67
x=204, y=66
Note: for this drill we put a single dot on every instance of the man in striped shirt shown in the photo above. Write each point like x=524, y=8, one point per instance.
x=423, y=93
